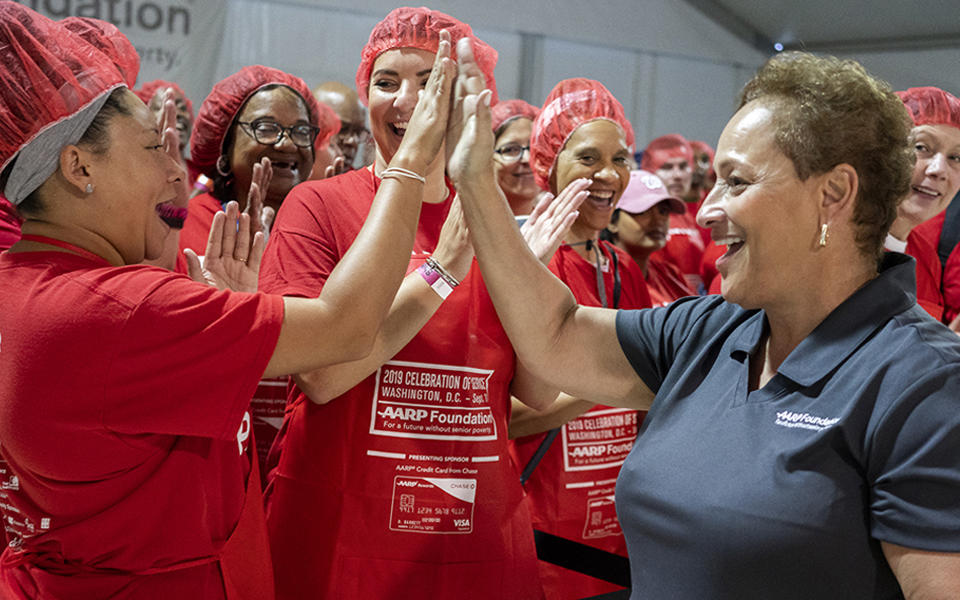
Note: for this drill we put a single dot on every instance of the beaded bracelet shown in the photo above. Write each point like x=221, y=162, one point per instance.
x=435, y=280
x=398, y=172
x=450, y=279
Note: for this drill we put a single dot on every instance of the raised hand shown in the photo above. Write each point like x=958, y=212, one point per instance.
x=428, y=125
x=552, y=217
x=454, y=249
x=232, y=258
x=260, y=217
x=170, y=138
x=470, y=82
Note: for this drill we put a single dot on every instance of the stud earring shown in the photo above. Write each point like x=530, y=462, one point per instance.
x=823, y=235
x=89, y=188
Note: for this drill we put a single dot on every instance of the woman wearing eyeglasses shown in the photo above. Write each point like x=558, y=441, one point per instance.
x=256, y=113
x=512, y=122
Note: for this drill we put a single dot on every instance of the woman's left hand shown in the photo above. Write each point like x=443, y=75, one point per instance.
x=551, y=219
x=232, y=259
x=261, y=216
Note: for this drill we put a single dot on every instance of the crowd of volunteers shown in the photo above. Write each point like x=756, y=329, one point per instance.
x=407, y=340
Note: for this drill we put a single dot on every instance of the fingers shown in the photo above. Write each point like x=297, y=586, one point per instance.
x=267, y=215
x=215, y=238
x=194, y=269
x=470, y=79
x=229, y=237
x=256, y=251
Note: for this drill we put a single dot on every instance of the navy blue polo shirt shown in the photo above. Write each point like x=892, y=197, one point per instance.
x=786, y=491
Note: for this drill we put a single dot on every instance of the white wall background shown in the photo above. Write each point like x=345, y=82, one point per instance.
x=673, y=69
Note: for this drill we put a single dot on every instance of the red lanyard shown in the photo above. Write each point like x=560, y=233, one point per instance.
x=65, y=245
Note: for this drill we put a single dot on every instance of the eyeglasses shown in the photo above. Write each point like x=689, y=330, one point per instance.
x=362, y=134
x=512, y=153
x=269, y=132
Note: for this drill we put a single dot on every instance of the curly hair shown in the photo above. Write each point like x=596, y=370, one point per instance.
x=831, y=111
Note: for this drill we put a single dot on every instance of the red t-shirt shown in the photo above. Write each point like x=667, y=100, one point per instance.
x=685, y=247
x=402, y=487
x=196, y=229
x=571, y=489
x=708, y=267
x=665, y=282
x=922, y=245
x=9, y=224
x=123, y=398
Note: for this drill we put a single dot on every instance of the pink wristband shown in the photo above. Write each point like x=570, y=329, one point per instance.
x=435, y=280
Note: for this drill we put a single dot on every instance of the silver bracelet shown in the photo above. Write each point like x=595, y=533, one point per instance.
x=397, y=172
x=450, y=279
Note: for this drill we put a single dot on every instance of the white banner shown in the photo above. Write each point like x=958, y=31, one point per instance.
x=177, y=40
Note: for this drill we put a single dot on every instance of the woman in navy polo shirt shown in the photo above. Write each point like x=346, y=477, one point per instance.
x=805, y=433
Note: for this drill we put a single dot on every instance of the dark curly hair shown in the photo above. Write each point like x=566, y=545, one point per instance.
x=831, y=111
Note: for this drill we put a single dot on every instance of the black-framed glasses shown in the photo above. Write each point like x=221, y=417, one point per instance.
x=359, y=133
x=512, y=152
x=269, y=133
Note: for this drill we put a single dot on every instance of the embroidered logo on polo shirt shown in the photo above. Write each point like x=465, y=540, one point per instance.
x=787, y=418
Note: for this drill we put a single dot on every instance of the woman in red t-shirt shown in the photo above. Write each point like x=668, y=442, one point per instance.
x=581, y=141
x=256, y=113
x=391, y=476
x=124, y=388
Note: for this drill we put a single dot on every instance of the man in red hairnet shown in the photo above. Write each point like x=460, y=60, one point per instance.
x=922, y=217
x=671, y=158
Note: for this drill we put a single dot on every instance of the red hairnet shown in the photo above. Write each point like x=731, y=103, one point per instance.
x=47, y=74
x=511, y=109
x=147, y=91
x=227, y=99
x=107, y=38
x=329, y=124
x=931, y=106
x=663, y=148
x=572, y=103
x=408, y=27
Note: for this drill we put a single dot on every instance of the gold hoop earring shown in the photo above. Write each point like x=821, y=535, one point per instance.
x=823, y=235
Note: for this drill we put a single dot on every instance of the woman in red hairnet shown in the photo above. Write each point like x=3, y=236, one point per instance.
x=922, y=214
x=392, y=476
x=512, y=122
x=256, y=113
x=581, y=141
x=125, y=432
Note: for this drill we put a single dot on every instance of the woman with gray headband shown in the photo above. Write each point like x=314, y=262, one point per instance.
x=125, y=434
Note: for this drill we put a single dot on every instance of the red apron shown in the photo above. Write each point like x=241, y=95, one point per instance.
x=244, y=562
x=403, y=487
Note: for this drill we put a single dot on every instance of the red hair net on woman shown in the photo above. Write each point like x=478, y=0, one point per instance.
x=931, y=106
x=572, y=103
x=107, y=38
x=407, y=27
x=52, y=84
x=663, y=148
x=508, y=110
x=227, y=99
x=147, y=91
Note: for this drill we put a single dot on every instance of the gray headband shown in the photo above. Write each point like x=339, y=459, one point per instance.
x=39, y=158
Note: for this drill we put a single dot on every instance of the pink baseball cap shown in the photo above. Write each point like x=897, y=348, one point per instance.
x=644, y=191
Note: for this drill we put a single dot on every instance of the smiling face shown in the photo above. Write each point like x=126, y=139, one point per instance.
x=133, y=180
x=291, y=163
x=597, y=150
x=516, y=178
x=766, y=216
x=936, y=174
x=644, y=232
x=395, y=83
